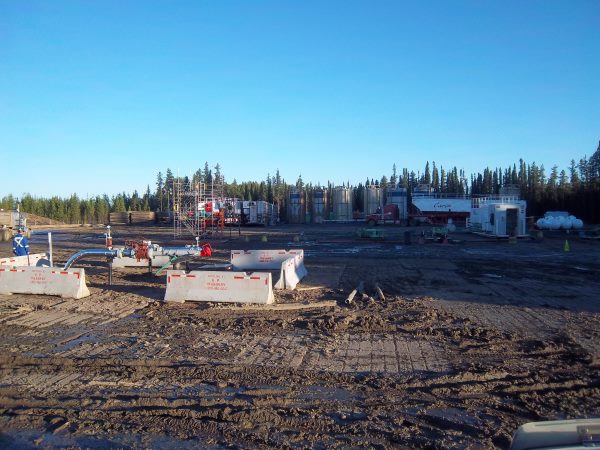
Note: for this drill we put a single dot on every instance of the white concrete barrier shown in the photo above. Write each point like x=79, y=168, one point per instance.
x=18, y=261
x=215, y=286
x=157, y=261
x=292, y=271
x=43, y=280
x=262, y=259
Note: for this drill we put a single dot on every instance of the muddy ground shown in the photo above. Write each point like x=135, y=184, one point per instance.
x=472, y=339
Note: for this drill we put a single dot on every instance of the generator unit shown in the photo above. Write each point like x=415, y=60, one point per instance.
x=498, y=217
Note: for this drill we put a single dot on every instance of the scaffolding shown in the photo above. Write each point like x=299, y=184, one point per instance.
x=198, y=208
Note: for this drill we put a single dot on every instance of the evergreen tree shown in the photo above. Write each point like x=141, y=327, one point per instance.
x=119, y=204
x=436, y=178
x=74, y=212
x=160, y=186
x=427, y=176
x=207, y=174
x=102, y=208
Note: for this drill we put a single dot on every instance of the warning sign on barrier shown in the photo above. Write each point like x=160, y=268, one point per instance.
x=215, y=286
x=292, y=271
x=43, y=280
x=262, y=259
x=27, y=260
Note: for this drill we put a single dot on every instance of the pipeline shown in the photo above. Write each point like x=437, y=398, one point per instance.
x=115, y=253
x=203, y=250
x=146, y=250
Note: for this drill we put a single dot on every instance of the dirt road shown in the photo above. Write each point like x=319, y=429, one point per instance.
x=470, y=340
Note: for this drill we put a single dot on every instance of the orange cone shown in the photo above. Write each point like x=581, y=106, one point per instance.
x=567, y=246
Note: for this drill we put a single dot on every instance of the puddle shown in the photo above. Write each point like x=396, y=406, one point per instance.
x=345, y=417
x=454, y=415
x=326, y=393
x=86, y=338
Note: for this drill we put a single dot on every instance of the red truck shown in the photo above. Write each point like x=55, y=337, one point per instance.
x=390, y=214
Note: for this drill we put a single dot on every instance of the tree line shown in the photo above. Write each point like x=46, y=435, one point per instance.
x=576, y=190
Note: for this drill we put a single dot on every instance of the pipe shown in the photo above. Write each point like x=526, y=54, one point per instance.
x=92, y=251
x=178, y=251
x=50, y=249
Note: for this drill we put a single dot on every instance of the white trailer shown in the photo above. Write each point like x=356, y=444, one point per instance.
x=258, y=213
x=500, y=217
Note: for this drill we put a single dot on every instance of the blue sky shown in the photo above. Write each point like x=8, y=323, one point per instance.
x=98, y=96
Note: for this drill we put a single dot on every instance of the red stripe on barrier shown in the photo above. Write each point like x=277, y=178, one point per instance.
x=169, y=279
x=176, y=276
x=255, y=278
x=190, y=276
x=266, y=281
x=64, y=273
x=239, y=278
x=13, y=270
x=281, y=253
x=2, y=270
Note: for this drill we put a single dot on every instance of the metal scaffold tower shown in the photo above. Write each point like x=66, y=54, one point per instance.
x=198, y=207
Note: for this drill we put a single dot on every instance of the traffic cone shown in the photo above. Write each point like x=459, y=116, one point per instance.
x=567, y=246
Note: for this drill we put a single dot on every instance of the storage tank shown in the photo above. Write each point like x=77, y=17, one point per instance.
x=372, y=199
x=296, y=206
x=342, y=203
x=319, y=205
x=398, y=196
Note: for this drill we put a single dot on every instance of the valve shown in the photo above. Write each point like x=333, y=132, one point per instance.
x=108, y=238
x=140, y=250
x=206, y=250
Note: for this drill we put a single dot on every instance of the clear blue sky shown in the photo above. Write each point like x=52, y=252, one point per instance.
x=98, y=96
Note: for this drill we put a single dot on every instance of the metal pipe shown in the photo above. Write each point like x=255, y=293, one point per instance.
x=50, y=249
x=115, y=253
x=174, y=251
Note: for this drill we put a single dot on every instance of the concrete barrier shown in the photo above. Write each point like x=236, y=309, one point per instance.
x=18, y=261
x=292, y=271
x=262, y=259
x=157, y=261
x=215, y=286
x=43, y=280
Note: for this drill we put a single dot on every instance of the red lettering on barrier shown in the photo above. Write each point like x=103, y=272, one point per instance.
x=38, y=278
x=216, y=286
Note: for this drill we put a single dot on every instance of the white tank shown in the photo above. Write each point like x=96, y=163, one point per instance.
x=342, y=203
x=319, y=202
x=372, y=199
